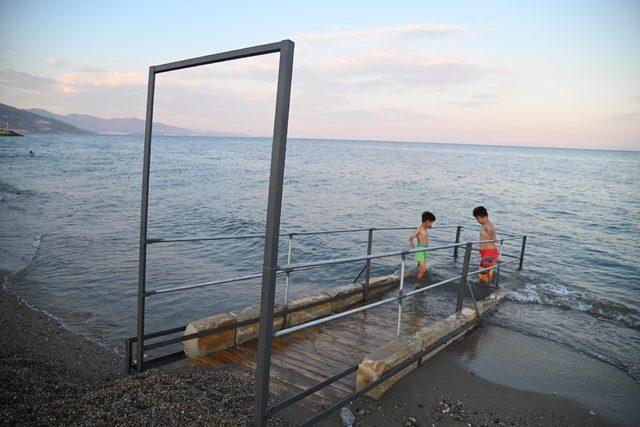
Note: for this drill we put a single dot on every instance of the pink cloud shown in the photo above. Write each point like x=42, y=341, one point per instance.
x=112, y=79
x=385, y=67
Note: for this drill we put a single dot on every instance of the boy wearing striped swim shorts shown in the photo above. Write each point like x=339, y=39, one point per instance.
x=422, y=236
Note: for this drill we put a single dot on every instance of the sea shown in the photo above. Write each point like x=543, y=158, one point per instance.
x=70, y=217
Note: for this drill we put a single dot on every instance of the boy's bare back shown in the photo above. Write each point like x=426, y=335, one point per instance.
x=421, y=234
x=488, y=232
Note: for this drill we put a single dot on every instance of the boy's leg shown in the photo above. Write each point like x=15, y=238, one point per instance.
x=422, y=269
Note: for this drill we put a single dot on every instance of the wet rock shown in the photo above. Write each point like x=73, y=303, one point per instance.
x=347, y=417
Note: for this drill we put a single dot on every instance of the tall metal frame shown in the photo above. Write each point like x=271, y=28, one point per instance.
x=270, y=267
x=274, y=204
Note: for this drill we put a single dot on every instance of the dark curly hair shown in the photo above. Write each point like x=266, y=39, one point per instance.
x=428, y=216
x=480, y=211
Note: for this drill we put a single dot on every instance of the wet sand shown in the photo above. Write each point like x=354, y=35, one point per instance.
x=499, y=377
x=535, y=364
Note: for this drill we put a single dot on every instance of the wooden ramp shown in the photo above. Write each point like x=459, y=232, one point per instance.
x=307, y=357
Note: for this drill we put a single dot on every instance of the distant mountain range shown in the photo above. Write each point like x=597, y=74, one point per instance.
x=28, y=122
x=37, y=120
x=123, y=126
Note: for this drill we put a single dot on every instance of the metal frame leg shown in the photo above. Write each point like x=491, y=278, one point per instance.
x=274, y=207
x=144, y=211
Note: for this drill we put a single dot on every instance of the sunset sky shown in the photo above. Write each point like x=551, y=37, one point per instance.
x=554, y=73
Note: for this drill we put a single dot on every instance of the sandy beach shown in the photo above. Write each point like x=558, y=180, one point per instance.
x=51, y=376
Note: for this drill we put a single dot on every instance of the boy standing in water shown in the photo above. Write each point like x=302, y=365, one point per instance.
x=489, y=254
x=422, y=234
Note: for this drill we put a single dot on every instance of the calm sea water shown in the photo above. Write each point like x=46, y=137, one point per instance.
x=69, y=227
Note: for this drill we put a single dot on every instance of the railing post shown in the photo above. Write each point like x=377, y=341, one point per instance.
x=455, y=250
x=499, y=261
x=524, y=244
x=400, y=291
x=465, y=272
x=367, y=275
x=286, y=279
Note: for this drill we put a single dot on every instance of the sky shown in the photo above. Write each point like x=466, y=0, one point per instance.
x=523, y=73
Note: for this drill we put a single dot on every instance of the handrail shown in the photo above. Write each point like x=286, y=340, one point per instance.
x=202, y=284
x=299, y=266
x=151, y=241
x=197, y=239
x=288, y=268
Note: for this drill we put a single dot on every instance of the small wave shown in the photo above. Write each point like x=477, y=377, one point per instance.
x=557, y=295
x=27, y=259
x=36, y=246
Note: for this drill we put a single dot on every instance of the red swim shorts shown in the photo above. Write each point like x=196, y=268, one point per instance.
x=492, y=254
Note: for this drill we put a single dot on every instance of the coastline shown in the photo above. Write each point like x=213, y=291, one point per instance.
x=51, y=376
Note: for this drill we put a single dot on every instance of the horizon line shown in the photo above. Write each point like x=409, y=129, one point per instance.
x=405, y=142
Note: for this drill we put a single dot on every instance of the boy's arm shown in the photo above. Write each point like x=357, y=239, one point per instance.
x=413, y=236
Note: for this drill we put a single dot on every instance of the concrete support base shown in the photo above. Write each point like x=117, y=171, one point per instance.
x=381, y=360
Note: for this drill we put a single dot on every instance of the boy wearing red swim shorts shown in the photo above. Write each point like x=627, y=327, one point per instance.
x=489, y=254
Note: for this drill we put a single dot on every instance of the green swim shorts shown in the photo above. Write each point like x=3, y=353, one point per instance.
x=421, y=256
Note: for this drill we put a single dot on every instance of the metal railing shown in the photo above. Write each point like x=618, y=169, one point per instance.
x=290, y=235
x=290, y=267
x=139, y=340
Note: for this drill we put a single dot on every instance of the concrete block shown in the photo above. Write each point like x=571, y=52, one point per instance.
x=308, y=314
x=469, y=313
x=500, y=295
x=431, y=333
x=455, y=321
x=492, y=300
x=382, y=360
x=346, y=296
x=198, y=347
x=250, y=331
